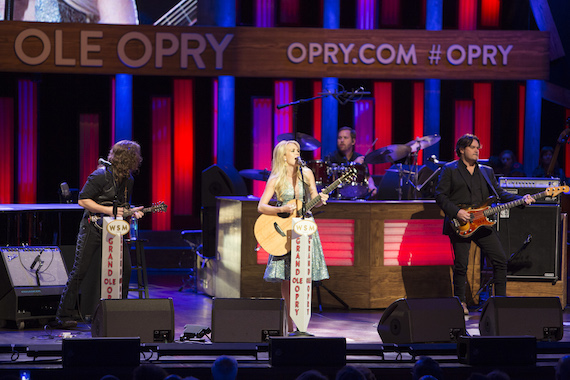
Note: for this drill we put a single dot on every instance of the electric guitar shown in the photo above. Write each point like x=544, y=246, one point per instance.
x=273, y=232
x=483, y=216
x=97, y=219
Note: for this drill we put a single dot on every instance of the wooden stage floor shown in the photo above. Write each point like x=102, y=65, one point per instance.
x=359, y=327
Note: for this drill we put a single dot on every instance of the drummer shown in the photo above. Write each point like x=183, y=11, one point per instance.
x=345, y=153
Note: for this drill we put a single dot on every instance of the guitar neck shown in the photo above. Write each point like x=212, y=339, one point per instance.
x=129, y=212
x=509, y=205
x=313, y=202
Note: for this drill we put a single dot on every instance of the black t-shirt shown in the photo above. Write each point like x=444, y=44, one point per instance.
x=338, y=158
x=100, y=187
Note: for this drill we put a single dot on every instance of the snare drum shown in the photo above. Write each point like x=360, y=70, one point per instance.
x=320, y=170
x=358, y=187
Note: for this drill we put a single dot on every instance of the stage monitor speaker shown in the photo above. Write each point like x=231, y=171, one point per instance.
x=101, y=352
x=240, y=320
x=307, y=352
x=219, y=180
x=150, y=319
x=531, y=236
x=540, y=317
x=390, y=184
x=422, y=320
x=505, y=350
x=32, y=279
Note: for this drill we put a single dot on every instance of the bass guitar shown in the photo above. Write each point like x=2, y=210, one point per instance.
x=273, y=232
x=482, y=216
x=97, y=219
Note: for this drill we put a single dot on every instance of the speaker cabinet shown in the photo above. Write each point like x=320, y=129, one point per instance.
x=101, y=352
x=422, y=320
x=217, y=180
x=531, y=237
x=150, y=319
x=31, y=282
x=506, y=350
x=307, y=351
x=540, y=317
x=240, y=320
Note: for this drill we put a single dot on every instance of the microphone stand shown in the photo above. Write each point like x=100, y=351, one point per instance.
x=8, y=10
x=295, y=137
x=351, y=95
x=513, y=255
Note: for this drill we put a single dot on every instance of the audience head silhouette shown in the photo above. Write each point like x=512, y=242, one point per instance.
x=311, y=374
x=563, y=368
x=349, y=372
x=149, y=372
x=426, y=366
x=224, y=368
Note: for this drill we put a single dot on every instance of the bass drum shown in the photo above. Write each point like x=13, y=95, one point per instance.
x=358, y=187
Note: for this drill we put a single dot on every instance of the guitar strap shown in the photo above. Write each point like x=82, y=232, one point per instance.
x=484, y=172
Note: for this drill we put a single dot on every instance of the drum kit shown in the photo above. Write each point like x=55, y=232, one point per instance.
x=327, y=172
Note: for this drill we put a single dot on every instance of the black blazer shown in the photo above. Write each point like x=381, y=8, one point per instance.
x=453, y=190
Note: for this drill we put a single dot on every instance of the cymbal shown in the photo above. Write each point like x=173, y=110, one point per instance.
x=388, y=153
x=307, y=142
x=423, y=142
x=255, y=174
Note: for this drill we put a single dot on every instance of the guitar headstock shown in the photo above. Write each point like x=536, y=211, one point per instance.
x=349, y=175
x=554, y=191
x=159, y=207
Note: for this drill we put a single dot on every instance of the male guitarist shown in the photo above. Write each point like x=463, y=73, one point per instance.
x=464, y=183
x=107, y=189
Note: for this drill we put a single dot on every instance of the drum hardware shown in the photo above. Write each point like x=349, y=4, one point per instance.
x=415, y=146
x=255, y=174
x=423, y=142
x=390, y=153
x=358, y=187
x=306, y=142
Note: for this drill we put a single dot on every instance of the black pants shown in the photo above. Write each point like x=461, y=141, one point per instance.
x=488, y=240
x=87, y=253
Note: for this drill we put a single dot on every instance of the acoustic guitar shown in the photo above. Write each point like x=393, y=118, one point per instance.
x=273, y=232
x=483, y=216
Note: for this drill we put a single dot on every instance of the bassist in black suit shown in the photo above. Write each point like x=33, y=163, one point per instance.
x=463, y=183
x=107, y=189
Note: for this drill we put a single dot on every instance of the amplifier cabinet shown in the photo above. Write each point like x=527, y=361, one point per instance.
x=31, y=282
x=530, y=185
x=532, y=241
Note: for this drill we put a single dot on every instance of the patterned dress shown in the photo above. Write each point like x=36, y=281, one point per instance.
x=279, y=267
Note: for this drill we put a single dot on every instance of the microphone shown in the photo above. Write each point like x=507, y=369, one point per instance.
x=434, y=159
x=65, y=189
x=358, y=91
x=65, y=192
x=104, y=162
x=300, y=161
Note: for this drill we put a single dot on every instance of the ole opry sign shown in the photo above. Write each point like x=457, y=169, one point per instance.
x=273, y=52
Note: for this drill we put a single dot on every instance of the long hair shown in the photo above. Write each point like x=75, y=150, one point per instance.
x=125, y=156
x=542, y=153
x=279, y=166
